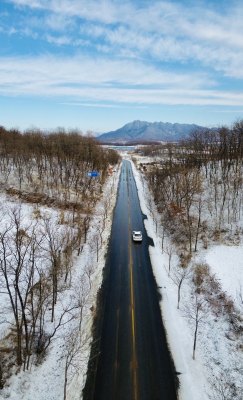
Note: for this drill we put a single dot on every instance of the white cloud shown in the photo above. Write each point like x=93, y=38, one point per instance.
x=93, y=71
x=58, y=22
x=163, y=31
x=89, y=80
x=103, y=105
x=104, y=10
x=30, y=3
x=60, y=40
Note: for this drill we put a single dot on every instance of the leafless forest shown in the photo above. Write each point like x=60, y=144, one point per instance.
x=197, y=187
x=41, y=172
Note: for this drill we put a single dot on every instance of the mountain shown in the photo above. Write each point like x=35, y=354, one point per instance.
x=142, y=131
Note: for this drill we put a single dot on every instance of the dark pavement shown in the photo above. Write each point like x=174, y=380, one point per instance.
x=134, y=362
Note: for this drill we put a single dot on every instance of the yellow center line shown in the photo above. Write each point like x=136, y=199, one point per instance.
x=134, y=358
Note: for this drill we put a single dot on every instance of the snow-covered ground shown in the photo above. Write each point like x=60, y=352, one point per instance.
x=219, y=360
x=217, y=357
x=46, y=381
x=226, y=262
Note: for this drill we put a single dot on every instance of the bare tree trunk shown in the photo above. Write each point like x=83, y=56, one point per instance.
x=179, y=294
x=198, y=223
x=65, y=379
x=1, y=376
x=195, y=336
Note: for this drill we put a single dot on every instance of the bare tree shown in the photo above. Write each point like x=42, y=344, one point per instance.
x=82, y=298
x=199, y=209
x=195, y=312
x=162, y=238
x=15, y=267
x=72, y=351
x=18, y=273
x=96, y=243
x=75, y=345
x=1, y=375
x=65, y=316
x=89, y=270
x=54, y=247
x=169, y=251
x=178, y=276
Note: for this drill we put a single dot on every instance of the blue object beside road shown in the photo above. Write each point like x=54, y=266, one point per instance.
x=93, y=173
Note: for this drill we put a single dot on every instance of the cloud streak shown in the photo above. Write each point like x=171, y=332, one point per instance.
x=83, y=79
x=164, y=31
x=103, y=105
x=87, y=70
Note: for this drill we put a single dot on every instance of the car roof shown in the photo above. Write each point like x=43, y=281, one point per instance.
x=137, y=232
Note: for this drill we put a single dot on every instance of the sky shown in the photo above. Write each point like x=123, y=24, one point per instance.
x=96, y=65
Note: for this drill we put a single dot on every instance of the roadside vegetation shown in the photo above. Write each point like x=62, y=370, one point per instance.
x=47, y=203
x=197, y=188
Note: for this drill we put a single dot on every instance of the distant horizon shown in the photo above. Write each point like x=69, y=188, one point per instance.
x=94, y=65
x=113, y=127
x=90, y=132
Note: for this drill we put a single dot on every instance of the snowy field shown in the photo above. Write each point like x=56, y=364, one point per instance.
x=226, y=262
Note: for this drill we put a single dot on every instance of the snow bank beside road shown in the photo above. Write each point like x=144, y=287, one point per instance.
x=192, y=380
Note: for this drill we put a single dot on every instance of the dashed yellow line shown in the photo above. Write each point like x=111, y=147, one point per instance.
x=134, y=357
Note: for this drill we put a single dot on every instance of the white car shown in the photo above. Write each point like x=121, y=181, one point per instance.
x=137, y=236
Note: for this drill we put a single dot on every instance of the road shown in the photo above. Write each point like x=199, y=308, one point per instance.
x=133, y=362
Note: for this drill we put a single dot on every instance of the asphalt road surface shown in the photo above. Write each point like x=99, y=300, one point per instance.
x=134, y=362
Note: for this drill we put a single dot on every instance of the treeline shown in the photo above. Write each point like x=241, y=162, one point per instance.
x=197, y=185
x=210, y=144
x=224, y=144
x=56, y=164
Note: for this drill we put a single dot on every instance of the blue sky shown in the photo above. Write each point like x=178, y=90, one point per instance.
x=98, y=64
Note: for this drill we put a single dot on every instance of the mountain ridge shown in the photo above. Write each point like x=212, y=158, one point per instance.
x=144, y=131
